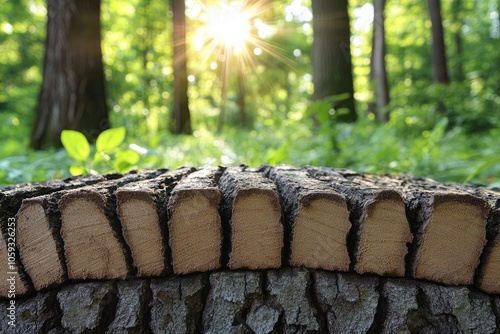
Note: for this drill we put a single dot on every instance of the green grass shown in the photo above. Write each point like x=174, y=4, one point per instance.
x=404, y=145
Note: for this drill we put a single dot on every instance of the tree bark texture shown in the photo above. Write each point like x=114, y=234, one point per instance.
x=250, y=250
x=73, y=93
x=180, y=110
x=332, y=66
x=438, y=48
x=378, y=67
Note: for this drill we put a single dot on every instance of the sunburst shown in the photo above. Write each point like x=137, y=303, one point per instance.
x=234, y=35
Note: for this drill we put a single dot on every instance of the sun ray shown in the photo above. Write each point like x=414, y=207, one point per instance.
x=229, y=32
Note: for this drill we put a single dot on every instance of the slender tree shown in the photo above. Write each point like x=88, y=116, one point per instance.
x=73, y=94
x=180, y=110
x=457, y=36
x=378, y=72
x=438, y=48
x=332, y=67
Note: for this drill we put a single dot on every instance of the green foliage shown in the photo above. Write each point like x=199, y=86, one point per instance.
x=108, y=155
x=446, y=132
x=76, y=144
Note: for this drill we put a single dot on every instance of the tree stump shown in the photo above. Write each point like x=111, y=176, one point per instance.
x=243, y=250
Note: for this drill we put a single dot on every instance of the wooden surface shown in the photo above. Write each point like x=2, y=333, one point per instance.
x=402, y=253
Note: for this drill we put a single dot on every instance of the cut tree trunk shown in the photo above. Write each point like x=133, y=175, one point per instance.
x=381, y=232
x=94, y=247
x=270, y=250
x=250, y=204
x=194, y=225
x=142, y=211
x=29, y=233
x=444, y=220
x=318, y=220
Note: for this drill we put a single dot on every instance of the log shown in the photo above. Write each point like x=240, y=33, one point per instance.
x=288, y=300
x=15, y=230
x=94, y=247
x=318, y=220
x=381, y=232
x=194, y=225
x=250, y=206
x=186, y=287
x=142, y=211
x=448, y=225
x=488, y=272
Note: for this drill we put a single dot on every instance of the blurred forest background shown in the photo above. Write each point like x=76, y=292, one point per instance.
x=399, y=86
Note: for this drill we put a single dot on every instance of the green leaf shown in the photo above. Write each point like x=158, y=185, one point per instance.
x=125, y=160
x=110, y=139
x=75, y=144
x=482, y=167
x=76, y=170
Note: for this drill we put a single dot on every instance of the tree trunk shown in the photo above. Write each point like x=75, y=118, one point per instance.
x=332, y=67
x=181, y=119
x=73, y=88
x=241, y=97
x=457, y=34
x=270, y=250
x=378, y=68
x=438, y=48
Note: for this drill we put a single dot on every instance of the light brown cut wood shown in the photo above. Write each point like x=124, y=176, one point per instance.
x=448, y=224
x=252, y=204
x=319, y=219
x=489, y=280
x=141, y=209
x=194, y=226
x=320, y=233
x=454, y=235
x=383, y=237
x=257, y=234
x=12, y=285
x=141, y=230
x=91, y=249
x=37, y=247
x=381, y=230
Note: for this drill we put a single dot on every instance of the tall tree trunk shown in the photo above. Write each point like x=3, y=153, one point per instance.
x=332, y=68
x=378, y=68
x=180, y=111
x=438, y=47
x=457, y=34
x=241, y=97
x=73, y=89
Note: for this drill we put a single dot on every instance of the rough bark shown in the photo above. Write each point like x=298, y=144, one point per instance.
x=13, y=223
x=142, y=211
x=444, y=220
x=288, y=299
x=73, y=93
x=332, y=67
x=180, y=110
x=318, y=220
x=94, y=247
x=381, y=233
